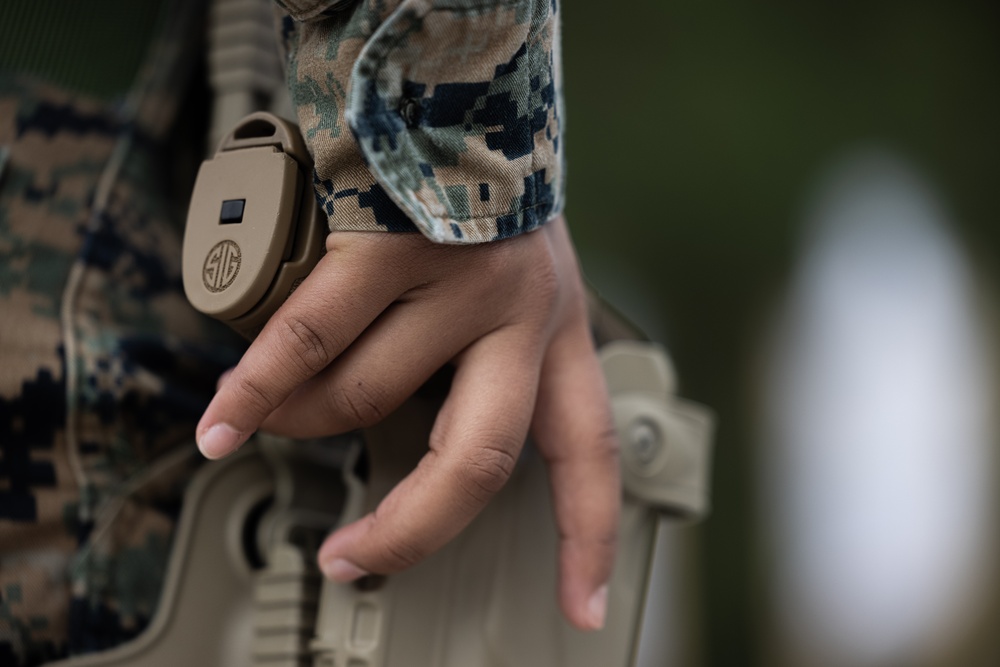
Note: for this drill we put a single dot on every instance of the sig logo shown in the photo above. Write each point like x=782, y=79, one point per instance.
x=221, y=266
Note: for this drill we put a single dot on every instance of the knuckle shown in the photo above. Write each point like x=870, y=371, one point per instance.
x=485, y=471
x=253, y=394
x=542, y=299
x=604, y=541
x=306, y=343
x=600, y=545
x=599, y=537
x=547, y=284
x=607, y=445
x=608, y=539
x=360, y=401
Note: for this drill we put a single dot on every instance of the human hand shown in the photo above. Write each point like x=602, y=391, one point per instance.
x=373, y=321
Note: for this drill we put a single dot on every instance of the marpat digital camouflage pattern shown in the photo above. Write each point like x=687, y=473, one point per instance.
x=439, y=115
x=104, y=366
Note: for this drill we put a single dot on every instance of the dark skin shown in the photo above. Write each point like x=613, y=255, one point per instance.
x=374, y=320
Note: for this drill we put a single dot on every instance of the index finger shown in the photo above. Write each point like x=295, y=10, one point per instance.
x=343, y=295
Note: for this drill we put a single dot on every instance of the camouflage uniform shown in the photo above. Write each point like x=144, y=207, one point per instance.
x=441, y=116
x=104, y=367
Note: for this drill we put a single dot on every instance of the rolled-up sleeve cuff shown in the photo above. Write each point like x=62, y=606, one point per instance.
x=442, y=116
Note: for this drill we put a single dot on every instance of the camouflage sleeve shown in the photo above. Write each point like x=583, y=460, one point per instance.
x=442, y=116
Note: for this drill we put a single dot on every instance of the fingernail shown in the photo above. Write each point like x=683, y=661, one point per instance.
x=597, y=607
x=342, y=570
x=219, y=440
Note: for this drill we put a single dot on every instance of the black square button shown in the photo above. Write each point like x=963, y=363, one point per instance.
x=232, y=211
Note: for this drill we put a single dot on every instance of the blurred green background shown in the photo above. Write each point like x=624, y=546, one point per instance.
x=695, y=132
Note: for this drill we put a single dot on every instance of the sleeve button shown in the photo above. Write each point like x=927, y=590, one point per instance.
x=410, y=110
